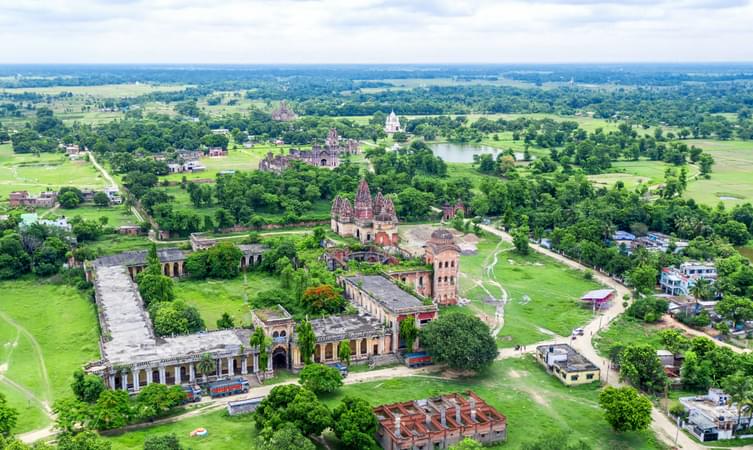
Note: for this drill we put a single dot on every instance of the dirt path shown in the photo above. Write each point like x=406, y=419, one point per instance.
x=101, y=169
x=40, y=361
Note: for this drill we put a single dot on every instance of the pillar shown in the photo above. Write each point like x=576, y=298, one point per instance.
x=112, y=381
x=269, y=363
x=136, y=379
x=124, y=379
x=230, y=369
x=178, y=380
x=162, y=376
x=244, y=365
x=218, y=363
x=149, y=378
x=191, y=373
x=256, y=362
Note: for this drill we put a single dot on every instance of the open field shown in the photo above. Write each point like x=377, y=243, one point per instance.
x=47, y=332
x=102, y=91
x=533, y=311
x=624, y=331
x=239, y=158
x=117, y=215
x=534, y=403
x=633, y=173
x=731, y=179
x=214, y=297
x=38, y=173
x=225, y=433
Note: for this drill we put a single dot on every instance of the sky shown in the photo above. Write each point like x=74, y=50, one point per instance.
x=374, y=31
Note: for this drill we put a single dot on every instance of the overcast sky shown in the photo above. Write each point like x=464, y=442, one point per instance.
x=374, y=31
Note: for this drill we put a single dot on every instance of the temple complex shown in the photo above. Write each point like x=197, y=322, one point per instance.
x=392, y=124
x=284, y=113
x=368, y=220
x=326, y=156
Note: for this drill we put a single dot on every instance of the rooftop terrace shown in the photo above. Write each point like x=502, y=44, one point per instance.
x=385, y=292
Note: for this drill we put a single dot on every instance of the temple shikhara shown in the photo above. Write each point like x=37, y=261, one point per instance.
x=392, y=124
x=368, y=220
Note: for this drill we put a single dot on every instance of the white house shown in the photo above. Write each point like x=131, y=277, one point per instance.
x=679, y=280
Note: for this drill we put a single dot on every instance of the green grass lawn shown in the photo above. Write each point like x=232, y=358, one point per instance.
x=117, y=215
x=239, y=158
x=626, y=330
x=49, y=170
x=57, y=334
x=214, y=297
x=225, y=433
x=552, y=290
x=534, y=403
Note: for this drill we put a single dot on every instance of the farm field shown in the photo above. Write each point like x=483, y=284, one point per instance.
x=534, y=403
x=102, y=91
x=731, y=179
x=214, y=297
x=633, y=173
x=47, y=332
x=533, y=311
x=38, y=173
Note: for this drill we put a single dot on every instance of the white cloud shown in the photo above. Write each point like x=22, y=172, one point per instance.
x=374, y=31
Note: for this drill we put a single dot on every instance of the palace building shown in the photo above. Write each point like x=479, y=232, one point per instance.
x=368, y=220
x=326, y=156
x=284, y=113
x=392, y=124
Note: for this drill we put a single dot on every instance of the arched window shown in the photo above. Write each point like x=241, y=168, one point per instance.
x=283, y=333
x=363, y=346
x=275, y=334
x=328, y=352
x=452, y=263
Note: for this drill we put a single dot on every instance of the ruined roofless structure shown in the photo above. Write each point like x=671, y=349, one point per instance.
x=326, y=157
x=368, y=220
x=284, y=113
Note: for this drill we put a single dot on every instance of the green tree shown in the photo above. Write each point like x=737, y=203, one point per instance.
x=702, y=289
x=467, y=444
x=295, y=405
x=640, y=365
x=86, y=387
x=559, y=440
x=520, y=239
x=225, y=322
x=87, y=440
x=343, y=351
x=459, y=340
x=736, y=309
x=112, y=410
x=674, y=340
x=101, y=199
x=206, y=365
x=696, y=374
x=409, y=332
x=8, y=417
x=157, y=399
x=625, y=409
x=260, y=340
x=643, y=278
x=162, y=442
x=355, y=423
x=69, y=200
x=224, y=261
x=155, y=288
x=739, y=387
x=287, y=437
x=320, y=379
x=71, y=414
x=306, y=340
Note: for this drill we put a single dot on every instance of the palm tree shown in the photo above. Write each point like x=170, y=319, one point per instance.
x=747, y=405
x=206, y=365
x=739, y=387
x=701, y=289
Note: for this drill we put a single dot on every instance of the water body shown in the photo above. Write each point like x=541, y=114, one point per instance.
x=463, y=153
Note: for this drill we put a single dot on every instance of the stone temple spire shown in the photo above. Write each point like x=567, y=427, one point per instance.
x=363, y=207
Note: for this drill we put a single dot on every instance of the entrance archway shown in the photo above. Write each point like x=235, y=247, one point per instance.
x=279, y=358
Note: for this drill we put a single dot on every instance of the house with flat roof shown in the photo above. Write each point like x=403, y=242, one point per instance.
x=569, y=366
x=680, y=280
x=439, y=422
x=712, y=417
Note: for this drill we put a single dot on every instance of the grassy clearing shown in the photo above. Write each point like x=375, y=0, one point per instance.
x=552, y=290
x=730, y=178
x=102, y=91
x=225, y=433
x=48, y=331
x=214, y=297
x=534, y=403
x=624, y=331
x=117, y=215
x=38, y=173
x=238, y=158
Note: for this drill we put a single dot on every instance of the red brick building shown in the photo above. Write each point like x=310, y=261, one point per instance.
x=439, y=422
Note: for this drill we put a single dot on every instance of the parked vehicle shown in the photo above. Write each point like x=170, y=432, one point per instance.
x=193, y=393
x=418, y=359
x=228, y=387
x=579, y=332
x=341, y=367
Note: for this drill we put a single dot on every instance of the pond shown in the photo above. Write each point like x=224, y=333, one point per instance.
x=463, y=153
